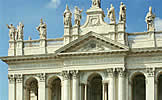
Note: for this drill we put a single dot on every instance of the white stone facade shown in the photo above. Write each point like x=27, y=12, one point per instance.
x=93, y=61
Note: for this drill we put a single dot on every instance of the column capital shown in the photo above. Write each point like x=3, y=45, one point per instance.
x=42, y=77
x=19, y=78
x=75, y=73
x=66, y=75
x=150, y=72
x=121, y=72
x=111, y=72
x=11, y=78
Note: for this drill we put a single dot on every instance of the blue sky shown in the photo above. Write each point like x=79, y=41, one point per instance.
x=30, y=12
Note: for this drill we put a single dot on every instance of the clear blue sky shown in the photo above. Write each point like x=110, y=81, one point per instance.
x=30, y=12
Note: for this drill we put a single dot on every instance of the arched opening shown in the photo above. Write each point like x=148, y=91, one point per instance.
x=160, y=87
x=54, y=89
x=95, y=87
x=31, y=89
x=139, y=87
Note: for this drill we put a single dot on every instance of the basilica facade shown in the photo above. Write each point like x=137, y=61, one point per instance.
x=93, y=61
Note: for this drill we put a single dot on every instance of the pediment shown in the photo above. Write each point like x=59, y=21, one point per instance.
x=92, y=42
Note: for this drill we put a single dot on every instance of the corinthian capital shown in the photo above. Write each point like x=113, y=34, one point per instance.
x=121, y=72
x=19, y=78
x=11, y=78
x=66, y=75
x=111, y=72
x=150, y=72
x=42, y=76
x=75, y=73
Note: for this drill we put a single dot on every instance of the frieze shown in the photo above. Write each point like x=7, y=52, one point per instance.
x=112, y=60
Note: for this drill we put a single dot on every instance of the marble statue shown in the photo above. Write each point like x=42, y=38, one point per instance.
x=150, y=17
x=42, y=28
x=20, y=31
x=12, y=31
x=67, y=16
x=96, y=3
x=111, y=14
x=122, y=13
x=77, y=16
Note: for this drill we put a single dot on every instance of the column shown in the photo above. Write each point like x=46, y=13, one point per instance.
x=111, y=84
x=41, y=87
x=62, y=90
x=11, y=88
x=106, y=92
x=85, y=92
x=19, y=87
x=75, y=88
x=49, y=90
x=103, y=91
x=66, y=76
x=26, y=93
x=150, y=85
x=121, y=84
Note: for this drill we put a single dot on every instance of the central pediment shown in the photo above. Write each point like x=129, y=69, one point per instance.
x=92, y=42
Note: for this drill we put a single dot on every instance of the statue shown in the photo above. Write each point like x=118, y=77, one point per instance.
x=77, y=16
x=150, y=20
x=67, y=17
x=42, y=28
x=122, y=13
x=96, y=3
x=20, y=31
x=12, y=31
x=111, y=14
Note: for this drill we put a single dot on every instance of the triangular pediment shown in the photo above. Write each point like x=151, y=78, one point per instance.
x=92, y=42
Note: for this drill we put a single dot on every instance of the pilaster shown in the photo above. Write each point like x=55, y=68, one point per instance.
x=41, y=86
x=11, y=87
x=121, y=35
x=150, y=84
x=66, y=76
x=19, y=87
x=121, y=84
x=43, y=46
x=111, y=84
x=12, y=48
x=19, y=48
x=75, y=88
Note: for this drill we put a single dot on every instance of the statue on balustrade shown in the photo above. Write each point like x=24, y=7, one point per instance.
x=111, y=14
x=12, y=31
x=67, y=16
x=77, y=16
x=96, y=3
x=42, y=28
x=122, y=13
x=150, y=17
x=20, y=31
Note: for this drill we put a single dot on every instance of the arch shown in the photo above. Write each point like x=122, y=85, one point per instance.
x=133, y=74
x=54, y=88
x=53, y=77
x=85, y=76
x=95, y=87
x=138, y=85
x=158, y=79
x=31, y=88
